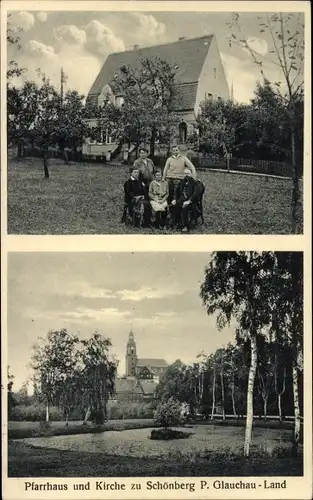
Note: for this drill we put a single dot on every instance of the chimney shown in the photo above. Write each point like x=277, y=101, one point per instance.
x=136, y=47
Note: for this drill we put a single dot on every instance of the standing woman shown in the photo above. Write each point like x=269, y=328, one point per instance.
x=158, y=194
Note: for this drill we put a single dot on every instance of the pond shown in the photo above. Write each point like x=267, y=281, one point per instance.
x=137, y=442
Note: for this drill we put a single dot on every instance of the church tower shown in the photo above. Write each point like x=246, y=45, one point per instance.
x=131, y=356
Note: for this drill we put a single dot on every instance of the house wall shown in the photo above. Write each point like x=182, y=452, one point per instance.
x=212, y=79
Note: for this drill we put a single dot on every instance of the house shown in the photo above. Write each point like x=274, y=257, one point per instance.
x=199, y=77
x=132, y=389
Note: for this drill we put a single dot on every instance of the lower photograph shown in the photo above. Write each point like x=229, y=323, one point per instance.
x=155, y=364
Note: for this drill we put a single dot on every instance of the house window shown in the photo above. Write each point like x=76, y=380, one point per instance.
x=209, y=97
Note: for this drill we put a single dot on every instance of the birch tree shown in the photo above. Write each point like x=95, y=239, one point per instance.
x=236, y=288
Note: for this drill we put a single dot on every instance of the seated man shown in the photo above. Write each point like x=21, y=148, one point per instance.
x=134, y=194
x=188, y=194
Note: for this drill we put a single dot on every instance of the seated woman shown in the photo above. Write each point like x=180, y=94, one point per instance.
x=134, y=194
x=158, y=194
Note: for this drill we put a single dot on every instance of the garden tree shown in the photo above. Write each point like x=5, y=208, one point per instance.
x=72, y=127
x=97, y=376
x=236, y=287
x=13, y=40
x=22, y=109
x=286, y=33
x=11, y=400
x=23, y=393
x=179, y=381
x=219, y=123
x=69, y=393
x=149, y=93
x=54, y=360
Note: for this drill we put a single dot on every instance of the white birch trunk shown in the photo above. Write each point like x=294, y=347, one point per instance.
x=251, y=379
x=47, y=413
x=296, y=402
x=233, y=397
x=213, y=394
x=87, y=415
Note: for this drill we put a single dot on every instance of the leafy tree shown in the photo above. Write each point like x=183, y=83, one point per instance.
x=97, y=376
x=149, y=93
x=236, y=286
x=54, y=359
x=11, y=399
x=13, y=40
x=286, y=31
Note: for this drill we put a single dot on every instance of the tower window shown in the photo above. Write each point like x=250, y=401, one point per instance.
x=214, y=73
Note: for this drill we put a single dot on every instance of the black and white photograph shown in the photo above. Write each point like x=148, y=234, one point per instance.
x=156, y=364
x=155, y=121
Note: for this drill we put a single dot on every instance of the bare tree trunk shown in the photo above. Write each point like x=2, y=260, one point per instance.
x=87, y=415
x=279, y=407
x=296, y=402
x=47, y=413
x=233, y=396
x=279, y=394
x=213, y=393
x=265, y=408
x=45, y=167
x=223, y=393
x=295, y=181
x=251, y=379
x=66, y=419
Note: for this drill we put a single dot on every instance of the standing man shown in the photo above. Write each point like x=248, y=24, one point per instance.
x=174, y=170
x=145, y=166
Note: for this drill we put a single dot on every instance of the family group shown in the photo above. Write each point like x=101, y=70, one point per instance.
x=172, y=197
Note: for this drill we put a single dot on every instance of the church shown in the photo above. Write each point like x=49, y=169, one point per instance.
x=142, y=375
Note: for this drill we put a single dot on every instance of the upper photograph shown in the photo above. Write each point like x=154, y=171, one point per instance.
x=155, y=122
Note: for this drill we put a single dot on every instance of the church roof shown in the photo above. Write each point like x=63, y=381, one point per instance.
x=187, y=56
x=152, y=362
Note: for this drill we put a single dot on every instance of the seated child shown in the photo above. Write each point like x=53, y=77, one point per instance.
x=158, y=194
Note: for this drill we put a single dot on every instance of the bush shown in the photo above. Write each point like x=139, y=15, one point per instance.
x=36, y=413
x=170, y=413
x=166, y=433
x=124, y=409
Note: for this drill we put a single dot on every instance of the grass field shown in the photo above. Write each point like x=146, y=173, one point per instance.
x=210, y=450
x=88, y=199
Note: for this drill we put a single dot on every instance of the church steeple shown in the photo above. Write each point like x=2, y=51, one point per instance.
x=131, y=356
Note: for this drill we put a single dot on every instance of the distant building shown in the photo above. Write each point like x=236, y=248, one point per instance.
x=200, y=77
x=142, y=375
x=142, y=368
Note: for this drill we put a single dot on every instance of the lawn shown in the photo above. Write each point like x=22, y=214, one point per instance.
x=210, y=450
x=88, y=199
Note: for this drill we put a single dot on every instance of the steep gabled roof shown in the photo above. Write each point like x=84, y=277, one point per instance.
x=187, y=54
x=152, y=363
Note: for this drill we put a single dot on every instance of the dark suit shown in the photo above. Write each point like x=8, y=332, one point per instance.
x=188, y=189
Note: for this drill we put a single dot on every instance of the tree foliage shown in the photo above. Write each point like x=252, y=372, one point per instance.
x=286, y=52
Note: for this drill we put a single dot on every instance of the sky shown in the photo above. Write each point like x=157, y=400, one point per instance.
x=81, y=41
x=154, y=294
